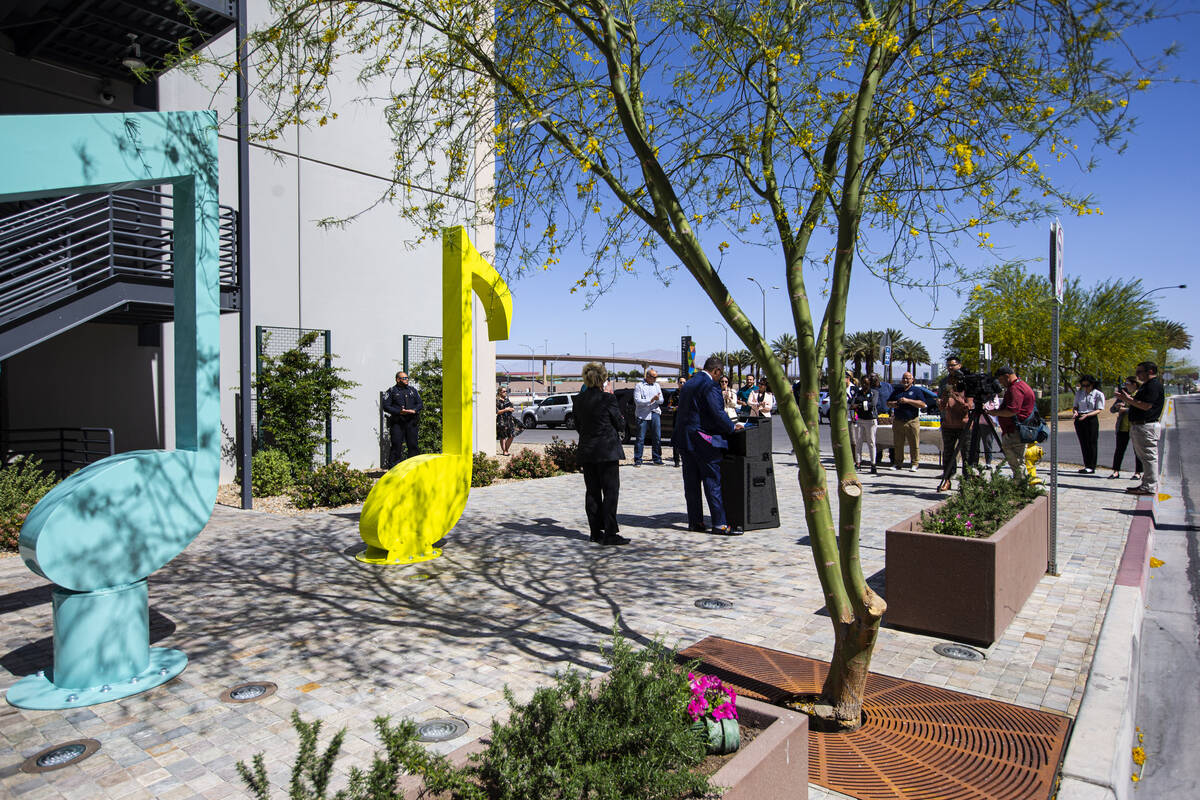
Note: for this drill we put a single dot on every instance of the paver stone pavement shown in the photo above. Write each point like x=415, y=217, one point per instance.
x=519, y=594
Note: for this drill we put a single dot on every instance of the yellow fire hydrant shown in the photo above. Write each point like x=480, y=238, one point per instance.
x=1033, y=454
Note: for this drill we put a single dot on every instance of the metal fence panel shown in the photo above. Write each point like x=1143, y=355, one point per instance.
x=274, y=341
x=420, y=348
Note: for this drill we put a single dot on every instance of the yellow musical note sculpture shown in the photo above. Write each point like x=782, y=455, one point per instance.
x=419, y=500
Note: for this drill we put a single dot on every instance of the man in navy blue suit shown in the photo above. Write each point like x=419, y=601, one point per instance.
x=701, y=426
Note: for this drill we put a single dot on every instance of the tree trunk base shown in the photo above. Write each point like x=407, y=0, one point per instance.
x=822, y=715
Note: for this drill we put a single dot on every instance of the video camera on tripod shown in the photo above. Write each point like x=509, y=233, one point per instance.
x=980, y=386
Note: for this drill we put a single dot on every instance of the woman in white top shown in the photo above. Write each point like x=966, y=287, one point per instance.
x=729, y=397
x=1089, y=402
x=761, y=400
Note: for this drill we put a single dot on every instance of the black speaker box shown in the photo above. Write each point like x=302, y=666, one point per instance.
x=752, y=442
x=748, y=488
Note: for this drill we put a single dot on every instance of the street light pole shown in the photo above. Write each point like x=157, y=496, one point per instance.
x=764, y=307
x=726, y=327
x=1159, y=289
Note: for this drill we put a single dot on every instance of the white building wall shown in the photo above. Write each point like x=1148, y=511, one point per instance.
x=359, y=281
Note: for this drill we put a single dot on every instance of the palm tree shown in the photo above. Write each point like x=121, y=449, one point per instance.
x=740, y=359
x=721, y=354
x=872, y=349
x=857, y=349
x=785, y=349
x=911, y=352
x=1164, y=335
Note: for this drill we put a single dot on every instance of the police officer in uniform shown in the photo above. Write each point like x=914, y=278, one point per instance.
x=403, y=405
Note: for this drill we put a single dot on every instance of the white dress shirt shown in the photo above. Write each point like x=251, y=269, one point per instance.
x=1087, y=402
x=647, y=399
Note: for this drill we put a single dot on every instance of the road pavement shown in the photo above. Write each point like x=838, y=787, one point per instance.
x=1168, y=706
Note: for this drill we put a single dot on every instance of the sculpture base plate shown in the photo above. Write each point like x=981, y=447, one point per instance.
x=377, y=555
x=38, y=693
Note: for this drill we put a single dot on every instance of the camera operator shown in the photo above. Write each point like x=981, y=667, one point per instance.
x=953, y=369
x=955, y=408
x=1018, y=403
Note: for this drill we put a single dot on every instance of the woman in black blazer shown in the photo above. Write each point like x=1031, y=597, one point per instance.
x=599, y=422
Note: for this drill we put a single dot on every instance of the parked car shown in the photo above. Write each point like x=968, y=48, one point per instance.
x=823, y=407
x=550, y=411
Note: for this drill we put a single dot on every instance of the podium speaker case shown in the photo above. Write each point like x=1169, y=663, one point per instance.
x=748, y=488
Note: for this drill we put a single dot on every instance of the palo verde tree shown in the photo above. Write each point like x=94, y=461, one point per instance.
x=876, y=134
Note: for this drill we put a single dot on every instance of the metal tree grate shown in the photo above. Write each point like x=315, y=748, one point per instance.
x=918, y=742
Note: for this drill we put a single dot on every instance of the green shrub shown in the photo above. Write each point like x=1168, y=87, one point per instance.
x=296, y=393
x=427, y=378
x=270, y=473
x=22, y=484
x=629, y=738
x=565, y=455
x=981, y=505
x=484, y=470
x=335, y=484
x=529, y=464
x=1065, y=401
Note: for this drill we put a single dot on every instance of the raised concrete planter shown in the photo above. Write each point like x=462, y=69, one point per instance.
x=962, y=588
x=775, y=764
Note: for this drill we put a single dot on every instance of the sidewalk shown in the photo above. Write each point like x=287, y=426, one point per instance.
x=519, y=594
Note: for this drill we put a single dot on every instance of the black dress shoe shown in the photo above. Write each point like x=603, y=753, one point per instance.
x=697, y=528
x=612, y=540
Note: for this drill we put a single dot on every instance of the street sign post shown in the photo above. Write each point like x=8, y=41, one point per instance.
x=1057, y=284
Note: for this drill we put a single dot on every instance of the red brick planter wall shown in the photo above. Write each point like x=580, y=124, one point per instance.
x=965, y=588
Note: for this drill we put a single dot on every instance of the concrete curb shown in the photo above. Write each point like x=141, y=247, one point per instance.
x=1098, y=763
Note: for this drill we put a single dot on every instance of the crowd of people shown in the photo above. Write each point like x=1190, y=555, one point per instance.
x=707, y=410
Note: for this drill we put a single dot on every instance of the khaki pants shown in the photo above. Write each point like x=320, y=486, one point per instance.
x=910, y=436
x=1014, y=452
x=1144, y=436
x=866, y=436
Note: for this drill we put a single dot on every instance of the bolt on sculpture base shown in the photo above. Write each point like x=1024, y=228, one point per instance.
x=101, y=651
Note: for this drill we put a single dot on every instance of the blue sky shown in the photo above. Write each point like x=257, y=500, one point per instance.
x=1150, y=195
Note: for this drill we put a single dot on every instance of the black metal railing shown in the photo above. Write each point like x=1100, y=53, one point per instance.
x=70, y=244
x=61, y=450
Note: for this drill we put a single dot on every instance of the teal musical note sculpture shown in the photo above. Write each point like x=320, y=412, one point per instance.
x=103, y=530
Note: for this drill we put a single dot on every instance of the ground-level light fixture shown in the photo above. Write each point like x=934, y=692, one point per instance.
x=60, y=755
x=440, y=730
x=958, y=652
x=248, y=692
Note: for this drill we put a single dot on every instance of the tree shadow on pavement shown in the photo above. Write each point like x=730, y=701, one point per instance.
x=534, y=587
